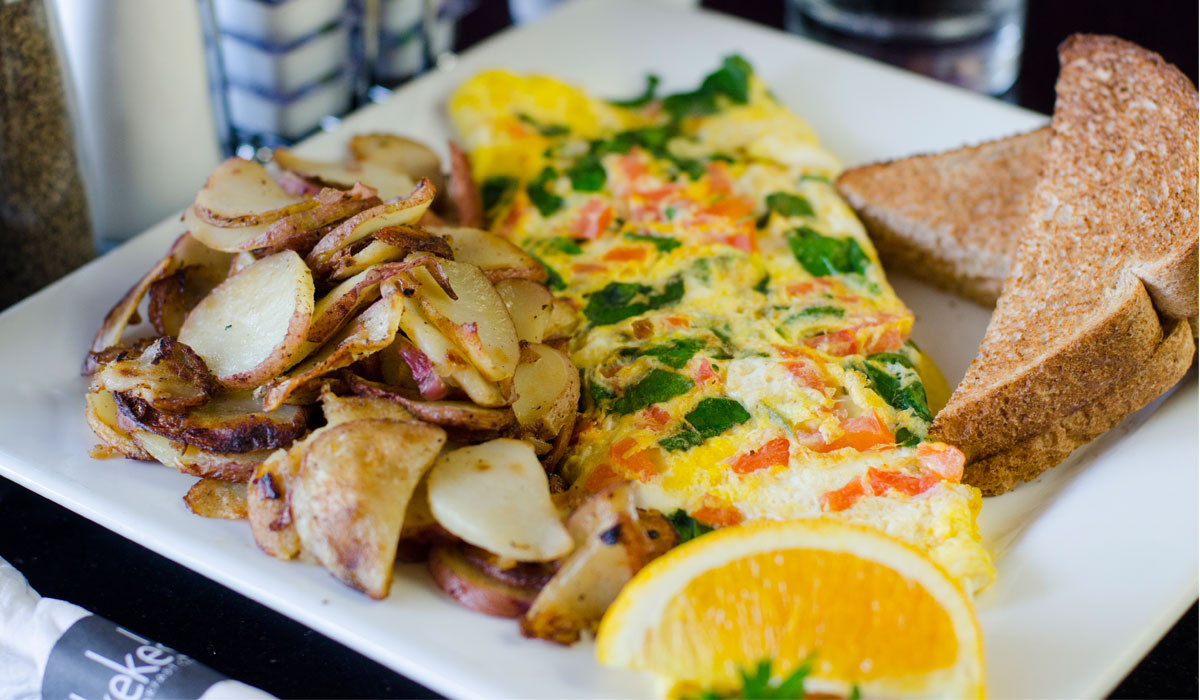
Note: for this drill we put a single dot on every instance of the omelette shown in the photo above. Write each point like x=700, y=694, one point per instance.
x=741, y=351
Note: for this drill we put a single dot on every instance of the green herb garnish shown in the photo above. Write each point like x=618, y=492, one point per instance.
x=822, y=255
x=687, y=527
x=657, y=386
x=644, y=98
x=546, y=202
x=789, y=204
x=731, y=80
x=665, y=244
x=587, y=174
x=757, y=684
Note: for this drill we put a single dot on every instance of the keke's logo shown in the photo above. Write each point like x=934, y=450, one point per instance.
x=97, y=660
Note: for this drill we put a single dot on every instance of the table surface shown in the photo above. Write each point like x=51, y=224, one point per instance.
x=66, y=556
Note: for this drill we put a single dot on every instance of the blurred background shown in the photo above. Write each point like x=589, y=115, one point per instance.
x=113, y=112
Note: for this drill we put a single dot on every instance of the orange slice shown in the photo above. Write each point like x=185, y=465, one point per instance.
x=871, y=613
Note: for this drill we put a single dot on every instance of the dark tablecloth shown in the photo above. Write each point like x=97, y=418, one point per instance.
x=66, y=556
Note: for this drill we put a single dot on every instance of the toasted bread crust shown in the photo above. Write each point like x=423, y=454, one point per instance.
x=1116, y=205
x=1170, y=362
x=954, y=216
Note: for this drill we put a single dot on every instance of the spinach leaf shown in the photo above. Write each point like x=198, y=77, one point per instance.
x=907, y=438
x=549, y=130
x=643, y=99
x=546, y=202
x=615, y=303
x=822, y=255
x=887, y=357
x=675, y=353
x=563, y=244
x=694, y=169
x=731, y=80
x=587, y=174
x=496, y=190
x=724, y=334
x=665, y=244
x=713, y=416
x=683, y=440
x=687, y=527
x=553, y=279
x=789, y=204
x=817, y=312
x=902, y=390
x=657, y=386
x=761, y=285
x=598, y=391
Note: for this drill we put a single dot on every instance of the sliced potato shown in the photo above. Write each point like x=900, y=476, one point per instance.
x=371, y=331
x=229, y=423
x=468, y=202
x=547, y=391
x=478, y=389
x=347, y=299
x=267, y=506
x=496, y=496
x=420, y=529
x=189, y=459
x=345, y=264
x=101, y=416
x=213, y=498
x=448, y=414
x=250, y=328
x=332, y=205
x=389, y=182
x=228, y=239
x=242, y=193
x=610, y=547
x=477, y=321
x=118, y=317
x=393, y=213
x=529, y=304
x=343, y=409
x=498, y=257
x=466, y=582
x=167, y=374
x=415, y=239
x=400, y=155
x=349, y=497
x=564, y=318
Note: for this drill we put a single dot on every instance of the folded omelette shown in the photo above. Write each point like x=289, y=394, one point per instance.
x=742, y=354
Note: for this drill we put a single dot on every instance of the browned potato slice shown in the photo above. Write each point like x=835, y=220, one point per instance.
x=174, y=296
x=189, y=459
x=267, y=506
x=250, y=328
x=477, y=321
x=347, y=299
x=547, y=389
x=113, y=326
x=420, y=529
x=496, y=496
x=498, y=257
x=448, y=414
x=400, y=155
x=467, y=200
x=466, y=582
x=332, y=205
x=415, y=239
x=167, y=374
x=230, y=423
x=242, y=193
x=212, y=498
x=447, y=360
x=101, y=416
x=529, y=304
x=564, y=317
x=229, y=239
x=394, y=213
x=343, y=409
x=368, y=468
x=371, y=331
x=390, y=183
x=611, y=545
x=374, y=253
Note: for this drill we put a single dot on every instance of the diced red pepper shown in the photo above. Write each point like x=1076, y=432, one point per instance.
x=804, y=373
x=843, y=498
x=642, y=463
x=679, y=321
x=625, y=254
x=717, y=512
x=602, y=475
x=593, y=219
x=704, y=372
x=942, y=459
x=841, y=343
x=887, y=341
x=862, y=433
x=655, y=417
x=718, y=177
x=730, y=207
x=907, y=484
x=774, y=452
x=588, y=268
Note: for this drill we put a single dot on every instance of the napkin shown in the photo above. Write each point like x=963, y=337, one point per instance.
x=53, y=649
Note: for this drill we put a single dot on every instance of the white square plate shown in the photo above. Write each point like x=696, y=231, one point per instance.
x=1096, y=559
